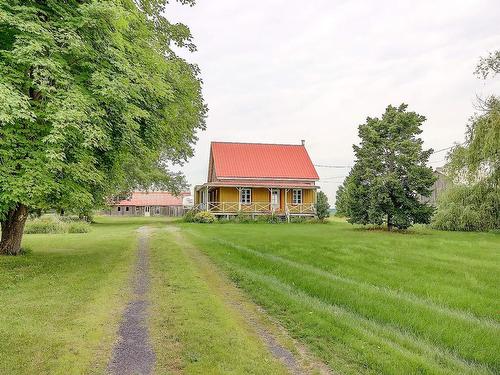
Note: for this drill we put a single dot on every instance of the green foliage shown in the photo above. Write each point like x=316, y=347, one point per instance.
x=390, y=172
x=478, y=158
x=189, y=216
x=468, y=208
x=242, y=218
x=269, y=219
x=94, y=101
x=340, y=201
x=204, y=217
x=474, y=204
x=322, y=206
x=489, y=66
x=54, y=225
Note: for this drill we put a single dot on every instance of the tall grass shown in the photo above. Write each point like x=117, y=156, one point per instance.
x=55, y=225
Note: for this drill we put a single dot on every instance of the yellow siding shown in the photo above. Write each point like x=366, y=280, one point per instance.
x=229, y=194
x=260, y=195
x=308, y=195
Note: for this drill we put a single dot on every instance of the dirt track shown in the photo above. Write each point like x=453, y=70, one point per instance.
x=133, y=353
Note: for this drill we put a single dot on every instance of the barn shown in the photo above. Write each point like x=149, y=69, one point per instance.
x=157, y=203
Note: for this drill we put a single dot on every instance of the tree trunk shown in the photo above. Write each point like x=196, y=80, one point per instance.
x=12, y=230
x=389, y=222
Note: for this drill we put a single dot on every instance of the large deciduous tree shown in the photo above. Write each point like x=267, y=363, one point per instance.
x=390, y=173
x=93, y=101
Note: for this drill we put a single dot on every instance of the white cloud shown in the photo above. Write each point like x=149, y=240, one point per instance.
x=281, y=71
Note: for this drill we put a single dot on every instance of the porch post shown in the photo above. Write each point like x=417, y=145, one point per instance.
x=239, y=199
x=207, y=200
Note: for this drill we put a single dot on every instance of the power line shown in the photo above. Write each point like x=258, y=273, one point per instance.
x=332, y=177
x=350, y=166
x=447, y=148
x=333, y=166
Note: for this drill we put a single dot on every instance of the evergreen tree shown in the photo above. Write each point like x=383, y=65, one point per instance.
x=94, y=101
x=340, y=200
x=390, y=172
x=322, y=206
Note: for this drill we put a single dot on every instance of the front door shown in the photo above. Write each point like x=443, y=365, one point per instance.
x=275, y=199
x=147, y=211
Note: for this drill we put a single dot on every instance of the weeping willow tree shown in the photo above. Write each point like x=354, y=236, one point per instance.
x=474, y=202
x=94, y=101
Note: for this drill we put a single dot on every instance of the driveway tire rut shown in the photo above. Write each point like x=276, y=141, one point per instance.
x=133, y=353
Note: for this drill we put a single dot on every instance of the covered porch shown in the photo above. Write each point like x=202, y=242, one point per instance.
x=292, y=200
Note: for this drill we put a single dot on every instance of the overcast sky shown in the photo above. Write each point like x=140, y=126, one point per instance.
x=279, y=71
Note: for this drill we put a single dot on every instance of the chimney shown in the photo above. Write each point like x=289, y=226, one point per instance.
x=303, y=141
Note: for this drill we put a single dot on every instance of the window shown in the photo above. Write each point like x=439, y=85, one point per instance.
x=246, y=196
x=126, y=208
x=297, y=196
x=157, y=210
x=119, y=208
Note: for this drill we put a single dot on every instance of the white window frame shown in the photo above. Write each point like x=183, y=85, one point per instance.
x=246, y=196
x=127, y=208
x=297, y=196
x=119, y=209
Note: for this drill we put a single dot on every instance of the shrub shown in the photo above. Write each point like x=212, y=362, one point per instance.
x=268, y=219
x=243, y=218
x=204, y=217
x=79, y=227
x=189, y=216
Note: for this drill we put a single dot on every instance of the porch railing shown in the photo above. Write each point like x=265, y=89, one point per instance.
x=256, y=207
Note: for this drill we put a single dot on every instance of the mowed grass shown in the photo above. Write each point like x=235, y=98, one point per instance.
x=193, y=327
x=371, y=301
x=61, y=303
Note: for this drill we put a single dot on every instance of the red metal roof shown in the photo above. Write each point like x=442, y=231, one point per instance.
x=263, y=183
x=155, y=198
x=258, y=160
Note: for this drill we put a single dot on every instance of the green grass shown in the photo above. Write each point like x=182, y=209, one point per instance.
x=363, y=301
x=371, y=301
x=60, y=304
x=194, y=328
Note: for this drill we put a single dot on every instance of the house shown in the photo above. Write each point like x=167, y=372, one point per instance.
x=157, y=203
x=258, y=179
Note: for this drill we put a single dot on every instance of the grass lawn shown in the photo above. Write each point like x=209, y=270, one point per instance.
x=195, y=330
x=371, y=301
x=61, y=303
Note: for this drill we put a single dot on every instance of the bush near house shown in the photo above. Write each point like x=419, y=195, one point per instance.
x=204, y=217
x=189, y=216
